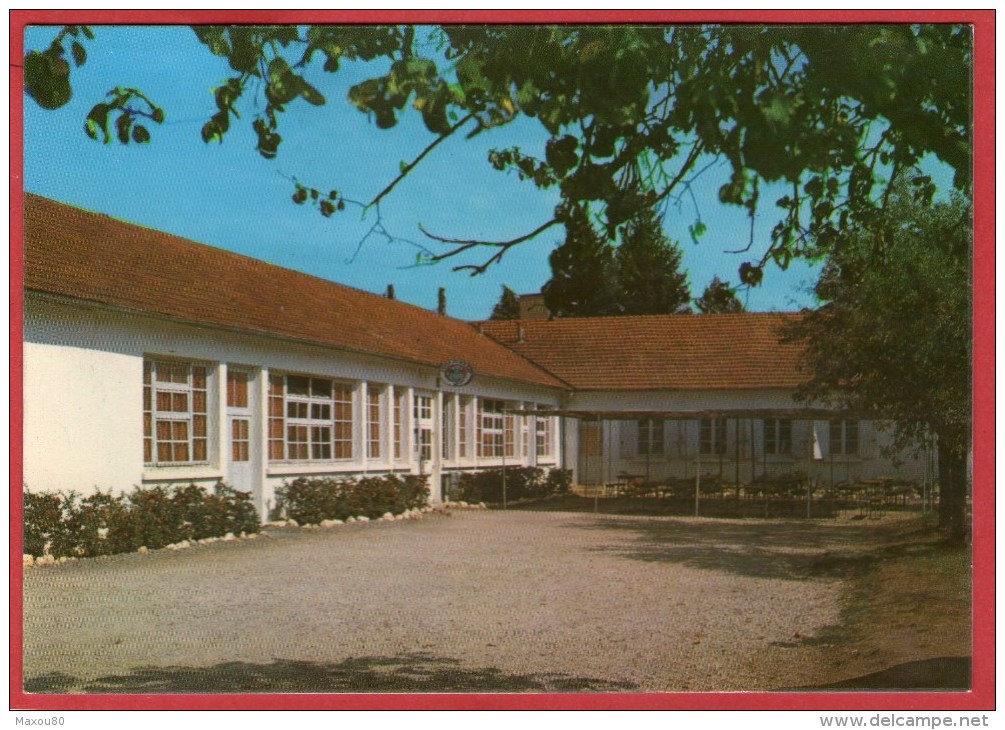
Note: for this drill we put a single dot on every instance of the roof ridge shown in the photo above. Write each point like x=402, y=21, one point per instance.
x=246, y=257
x=92, y=256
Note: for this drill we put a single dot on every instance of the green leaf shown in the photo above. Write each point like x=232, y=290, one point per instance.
x=311, y=95
x=140, y=134
x=782, y=257
x=122, y=126
x=697, y=230
x=47, y=78
x=79, y=54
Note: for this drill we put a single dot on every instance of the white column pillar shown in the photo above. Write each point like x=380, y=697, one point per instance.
x=387, y=426
x=265, y=496
x=359, y=428
x=219, y=414
x=408, y=429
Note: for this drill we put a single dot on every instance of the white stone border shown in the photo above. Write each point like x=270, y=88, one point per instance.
x=410, y=514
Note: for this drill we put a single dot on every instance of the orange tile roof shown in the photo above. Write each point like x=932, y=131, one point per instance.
x=672, y=352
x=75, y=253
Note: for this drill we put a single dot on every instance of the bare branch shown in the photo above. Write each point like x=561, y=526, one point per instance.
x=463, y=245
x=411, y=165
x=688, y=164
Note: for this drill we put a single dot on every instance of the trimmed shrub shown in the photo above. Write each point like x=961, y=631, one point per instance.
x=151, y=517
x=309, y=501
x=43, y=519
x=522, y=482
x=559, y=481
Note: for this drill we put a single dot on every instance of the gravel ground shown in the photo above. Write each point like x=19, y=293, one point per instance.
x=474, y=601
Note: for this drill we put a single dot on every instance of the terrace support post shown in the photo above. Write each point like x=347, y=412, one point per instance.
x=504, y=464
x=809, y=495
x=697, y=476
x=736, y=459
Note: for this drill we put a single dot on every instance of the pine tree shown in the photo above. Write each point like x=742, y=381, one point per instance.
x=508, y=306
x=649, y=277
x=583, y=273
x=719, y=298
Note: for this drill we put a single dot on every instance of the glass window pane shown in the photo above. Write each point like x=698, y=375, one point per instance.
x=297, y=385
x=237, y=389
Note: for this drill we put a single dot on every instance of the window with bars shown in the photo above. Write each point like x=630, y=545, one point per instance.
x=237, y=389
x=712, y=436
x=373, y=427
x=462, y=428
x=491, y=427
x=240, y=445
x=843, y=437
x=544, y=433
x=310, y=419
x=509, y=438
x=650, y=437
x=397, y=428
x=175, y=415
x=447, y=427
x=777, y=436
x=422, y=409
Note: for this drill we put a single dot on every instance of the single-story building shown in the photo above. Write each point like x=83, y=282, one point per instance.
x=671, y=396
x=151, y=359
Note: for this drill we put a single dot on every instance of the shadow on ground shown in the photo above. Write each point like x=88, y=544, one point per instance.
x=408, y=673
x=787, y=550
x=942, y=673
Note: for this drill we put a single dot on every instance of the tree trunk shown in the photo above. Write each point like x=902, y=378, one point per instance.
x=952, y=489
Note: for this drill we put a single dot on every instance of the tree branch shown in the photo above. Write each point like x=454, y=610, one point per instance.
x=463, y=245
x=411, y=165
x=688, y=164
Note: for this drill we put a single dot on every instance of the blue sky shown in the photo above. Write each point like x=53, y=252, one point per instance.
x=227, y=195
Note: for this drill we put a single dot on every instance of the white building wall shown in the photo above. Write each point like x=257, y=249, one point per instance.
x=81, y=419
x=83, y=387
x=744, y=458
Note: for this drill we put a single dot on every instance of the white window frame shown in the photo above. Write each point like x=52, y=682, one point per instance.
x=544, y=437
x=491, y=423
x=651, y=437
x=311, y=419
x=717, y=435
x=374, y=409
x=777, y=436
x=190, y=416
x=839, y=430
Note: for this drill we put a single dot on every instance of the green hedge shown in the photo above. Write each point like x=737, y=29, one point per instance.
x=152, y=517
x=311, y=500
x=522, y=482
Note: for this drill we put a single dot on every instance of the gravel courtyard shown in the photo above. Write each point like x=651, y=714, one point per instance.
x=475, y=601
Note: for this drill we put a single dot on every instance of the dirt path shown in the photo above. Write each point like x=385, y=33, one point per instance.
x=478, y=601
